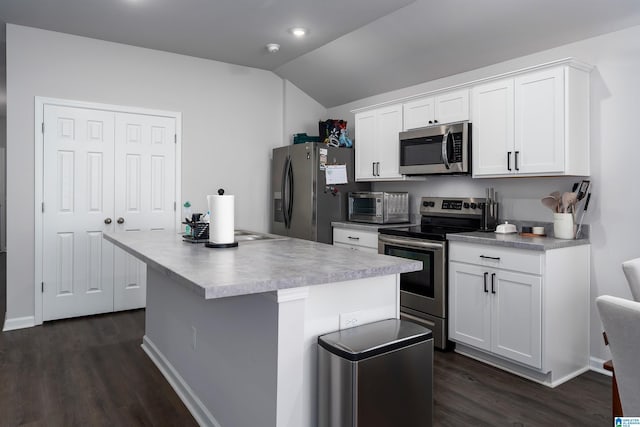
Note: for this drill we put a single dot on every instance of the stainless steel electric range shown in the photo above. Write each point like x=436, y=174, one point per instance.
x=423, y=294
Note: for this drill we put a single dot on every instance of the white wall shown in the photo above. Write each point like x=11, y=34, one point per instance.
x=301, y=113
x=615, y=153
x=232, y=118
x=3, y=178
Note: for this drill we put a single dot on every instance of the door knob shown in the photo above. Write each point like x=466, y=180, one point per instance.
x=120, y=220
x=107, y=220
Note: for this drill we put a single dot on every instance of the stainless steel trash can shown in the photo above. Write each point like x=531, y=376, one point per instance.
x=376, y=375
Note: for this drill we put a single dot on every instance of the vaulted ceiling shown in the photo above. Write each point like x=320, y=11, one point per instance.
x=354, y=49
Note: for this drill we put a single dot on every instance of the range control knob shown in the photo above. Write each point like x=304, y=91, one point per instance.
x=466, y=205
x=425, y=204
x=432, y=204
x=473, y=205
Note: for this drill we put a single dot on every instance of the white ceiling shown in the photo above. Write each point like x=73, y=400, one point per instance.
x=356, y=48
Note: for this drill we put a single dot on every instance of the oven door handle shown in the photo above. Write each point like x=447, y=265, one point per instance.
x=411, y=243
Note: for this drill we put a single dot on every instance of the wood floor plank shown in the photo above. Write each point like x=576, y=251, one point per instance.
x=93, y=372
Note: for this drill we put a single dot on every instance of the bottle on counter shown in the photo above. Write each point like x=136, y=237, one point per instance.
x=186, y=215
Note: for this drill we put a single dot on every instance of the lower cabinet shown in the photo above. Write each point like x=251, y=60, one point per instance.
x=498, y=311
x=525, y=311
x=359, y=240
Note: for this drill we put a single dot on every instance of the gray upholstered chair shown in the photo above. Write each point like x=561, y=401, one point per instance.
x=621, y=319
x=631, y=270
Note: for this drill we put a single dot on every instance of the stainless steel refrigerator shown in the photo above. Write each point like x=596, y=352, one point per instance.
x=303, y=204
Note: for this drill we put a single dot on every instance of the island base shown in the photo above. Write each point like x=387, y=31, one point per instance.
x=252, y=359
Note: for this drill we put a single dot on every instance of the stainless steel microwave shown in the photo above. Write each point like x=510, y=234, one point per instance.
x=379, y=207
x=444, y=149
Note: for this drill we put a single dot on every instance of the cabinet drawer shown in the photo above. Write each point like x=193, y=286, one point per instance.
x=356, y=237
x=520, y=260
x=356, y=248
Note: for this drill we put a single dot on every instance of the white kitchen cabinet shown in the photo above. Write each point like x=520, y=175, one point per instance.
x=498, y=311
x=492, y=129
x=522, y=310
x=447, y=107
x=376, y=144
x=359, y=240
x=532, y=124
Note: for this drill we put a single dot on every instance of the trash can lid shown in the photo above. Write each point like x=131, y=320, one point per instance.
x=374, y=338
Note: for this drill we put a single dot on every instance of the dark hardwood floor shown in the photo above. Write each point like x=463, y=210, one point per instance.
x=85, y=372
x=92, y=372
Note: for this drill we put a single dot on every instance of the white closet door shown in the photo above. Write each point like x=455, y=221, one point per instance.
x=78, y=198
x=145, y=188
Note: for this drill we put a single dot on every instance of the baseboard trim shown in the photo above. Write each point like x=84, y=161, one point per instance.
x=19, y=323
x=201, y=414
x=595, y=364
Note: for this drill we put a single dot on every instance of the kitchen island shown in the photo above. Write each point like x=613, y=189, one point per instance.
x=234, y=330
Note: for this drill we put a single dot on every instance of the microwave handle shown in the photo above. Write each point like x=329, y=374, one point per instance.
x=445, y=154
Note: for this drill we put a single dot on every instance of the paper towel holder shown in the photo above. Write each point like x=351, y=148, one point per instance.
x=210, y=244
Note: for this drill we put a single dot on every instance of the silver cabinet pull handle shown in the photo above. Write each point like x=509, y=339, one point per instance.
x=107, y=221
x=353, y=238
x=120, y=220
x=490, y=257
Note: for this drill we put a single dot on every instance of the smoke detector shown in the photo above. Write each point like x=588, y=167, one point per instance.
x=273, y=47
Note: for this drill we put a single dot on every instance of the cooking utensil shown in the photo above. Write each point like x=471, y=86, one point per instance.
x=558, y=196
x=569, y=200
x=586, y=205
x=550, y=202
x=585, y=185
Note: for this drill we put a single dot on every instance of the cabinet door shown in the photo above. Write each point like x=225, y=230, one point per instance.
x=517, y=317
x=418, y=113
x=492, y=130
x=389, y=123
x=452, y=107
x=365, y=144
x=539, y=122
x=469, y=305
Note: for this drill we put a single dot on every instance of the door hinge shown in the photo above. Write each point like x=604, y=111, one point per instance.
x=42, y=127
x=42, y=207
x=42, y=287
x=174, y=206
x=175, y=138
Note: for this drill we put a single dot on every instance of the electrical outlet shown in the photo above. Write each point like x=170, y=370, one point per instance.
x=194, y=334
x=350, y=320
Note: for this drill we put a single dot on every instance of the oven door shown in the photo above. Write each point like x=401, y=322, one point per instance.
x=422, y=290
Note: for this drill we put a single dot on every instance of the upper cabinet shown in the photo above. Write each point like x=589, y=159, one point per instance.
x=529, y=122
x=532, y=124
x=376, y=143
x=447, y=107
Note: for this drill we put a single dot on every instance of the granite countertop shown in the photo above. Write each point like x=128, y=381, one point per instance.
x=369, y=227
x=515, y=240
x=254, y=266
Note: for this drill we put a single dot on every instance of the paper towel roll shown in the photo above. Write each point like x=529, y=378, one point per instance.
x=221, y=220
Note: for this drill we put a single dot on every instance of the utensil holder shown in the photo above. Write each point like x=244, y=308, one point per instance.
x=563, y=226
x=489, y=218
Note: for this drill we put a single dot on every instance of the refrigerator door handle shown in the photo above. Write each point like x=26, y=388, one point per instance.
x=290, y=201
x=285, y=189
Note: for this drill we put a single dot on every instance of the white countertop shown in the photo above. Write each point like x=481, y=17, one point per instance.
x=254, y=266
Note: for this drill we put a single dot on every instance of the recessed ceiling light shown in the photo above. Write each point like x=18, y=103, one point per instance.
x=299, y=31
